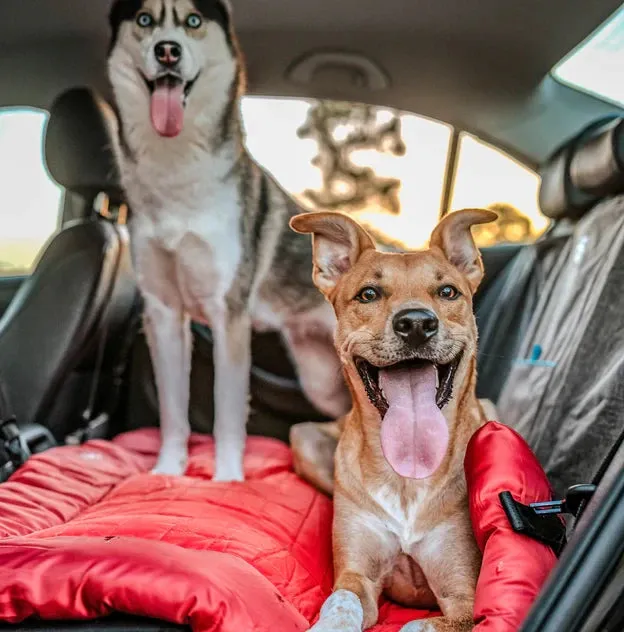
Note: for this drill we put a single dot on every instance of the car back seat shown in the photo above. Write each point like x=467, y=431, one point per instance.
x=565, y=389
x=504, y=306
x=82, y=288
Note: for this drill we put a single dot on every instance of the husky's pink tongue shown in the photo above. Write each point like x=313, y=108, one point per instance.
x=414, y=433
x=167, y=108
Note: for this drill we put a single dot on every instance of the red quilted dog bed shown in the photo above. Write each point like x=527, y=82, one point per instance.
x=86, y=530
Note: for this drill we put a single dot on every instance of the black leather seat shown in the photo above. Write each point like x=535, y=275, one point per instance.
x=82, y=286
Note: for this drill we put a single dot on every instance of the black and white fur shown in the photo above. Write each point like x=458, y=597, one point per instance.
x=210, y=235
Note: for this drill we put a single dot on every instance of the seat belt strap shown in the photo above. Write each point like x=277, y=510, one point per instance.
x=96, y=426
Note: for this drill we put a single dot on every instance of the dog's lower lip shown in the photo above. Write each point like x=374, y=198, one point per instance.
x=369, y=375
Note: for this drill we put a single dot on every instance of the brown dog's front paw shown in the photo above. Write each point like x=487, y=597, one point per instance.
x=422, y=625
x=342, y=612
x=439, y=624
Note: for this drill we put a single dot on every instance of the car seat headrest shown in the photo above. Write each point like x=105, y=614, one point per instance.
x=586, y=169
x=78, y=150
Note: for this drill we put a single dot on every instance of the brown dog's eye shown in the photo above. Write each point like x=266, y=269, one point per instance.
x=448, y=292
x=368, y=295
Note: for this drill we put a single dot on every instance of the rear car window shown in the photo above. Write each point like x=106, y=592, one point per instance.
x=389, y=169
x=30, y=201
x=488, y=178
x=596, y=65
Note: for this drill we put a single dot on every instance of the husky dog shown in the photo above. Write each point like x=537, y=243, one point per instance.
x=210, y=235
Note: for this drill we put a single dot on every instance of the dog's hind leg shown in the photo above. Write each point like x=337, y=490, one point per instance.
x=168, y=336
x=319, y=371
x=232, y=363
x=313, y=448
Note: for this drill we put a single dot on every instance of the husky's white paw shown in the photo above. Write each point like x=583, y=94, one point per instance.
x=171, y=462
x=228, y=474
x=420, y=625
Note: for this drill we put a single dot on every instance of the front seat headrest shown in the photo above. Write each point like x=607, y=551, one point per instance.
x=597, y=166
x=78, y=149
x=584, y=170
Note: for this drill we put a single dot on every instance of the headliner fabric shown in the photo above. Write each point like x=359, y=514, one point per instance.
x=86, y=530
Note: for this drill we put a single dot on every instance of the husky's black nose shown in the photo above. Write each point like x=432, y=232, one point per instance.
x=168, y=53
x=415, y=326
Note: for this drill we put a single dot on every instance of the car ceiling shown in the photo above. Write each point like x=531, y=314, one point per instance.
x=482, y=65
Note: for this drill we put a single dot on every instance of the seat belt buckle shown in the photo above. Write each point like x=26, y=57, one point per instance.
x=104, y=207
x=542, y=520
x=96, y=428
x=545, y=527
x=17, y=452
x=574, y=503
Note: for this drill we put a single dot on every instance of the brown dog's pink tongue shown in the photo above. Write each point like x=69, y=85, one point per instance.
x=167, y=108
x=414, y=433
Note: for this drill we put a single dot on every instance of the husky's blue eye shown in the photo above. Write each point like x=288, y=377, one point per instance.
x=193, y=21
x=145, y=20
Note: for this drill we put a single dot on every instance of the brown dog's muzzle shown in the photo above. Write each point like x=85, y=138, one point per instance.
x=415, y=326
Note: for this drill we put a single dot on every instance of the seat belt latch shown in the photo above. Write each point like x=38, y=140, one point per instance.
x=542, y=520
x=15, y=450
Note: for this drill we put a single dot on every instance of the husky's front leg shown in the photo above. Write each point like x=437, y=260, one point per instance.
x=168, y=334
x=232, y=364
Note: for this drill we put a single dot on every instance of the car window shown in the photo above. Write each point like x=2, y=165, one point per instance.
x=386, y=167
x=488, y=178
x=30, y=201
x=596, y=65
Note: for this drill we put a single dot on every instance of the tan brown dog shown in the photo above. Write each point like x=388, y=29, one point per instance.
x=406, y=337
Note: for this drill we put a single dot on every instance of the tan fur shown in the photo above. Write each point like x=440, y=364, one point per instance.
x=410, y=538
x=314, y=447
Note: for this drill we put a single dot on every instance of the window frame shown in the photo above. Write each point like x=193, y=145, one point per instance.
x=450, y=174
x=554, y=71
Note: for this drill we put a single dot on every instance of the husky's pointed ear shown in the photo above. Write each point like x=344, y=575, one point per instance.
x=454, y=238
x=337, y=241
x=228, y=5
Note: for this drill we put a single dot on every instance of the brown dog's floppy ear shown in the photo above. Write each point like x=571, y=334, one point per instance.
x=337, y=240
x=453, y=236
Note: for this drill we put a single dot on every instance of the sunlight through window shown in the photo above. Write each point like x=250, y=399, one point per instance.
x=596, y=65
x=29, y=199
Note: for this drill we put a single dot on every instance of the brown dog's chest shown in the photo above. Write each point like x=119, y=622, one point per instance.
x=407, y=519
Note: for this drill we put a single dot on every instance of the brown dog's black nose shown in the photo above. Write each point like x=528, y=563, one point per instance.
x=168, y=53
x=415, y=326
